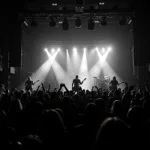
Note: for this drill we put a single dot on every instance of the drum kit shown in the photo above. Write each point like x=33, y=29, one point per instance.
x=102, y=82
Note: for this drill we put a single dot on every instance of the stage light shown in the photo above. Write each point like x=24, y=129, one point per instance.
x=45, y=49
x=58, y=49
x=52, y=51
x=84, y=49
x=75, y=53
x=54, y=4
x=70, y=68
x=74, y=49
x=26, y=23
x=47, y=52
x=91, y=24
x=105, y=55
x=103, y=21
x=65, y=24
x=109, y=49
x=129, y=21
x=96, y=48
x=101, y=3
x=52, y=22
x=78, y=22
x=103, y=50
x=83, y=72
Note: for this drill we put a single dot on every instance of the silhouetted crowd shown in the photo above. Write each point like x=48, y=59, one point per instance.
x=60, y=119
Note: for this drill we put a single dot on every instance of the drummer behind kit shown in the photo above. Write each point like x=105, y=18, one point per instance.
x=115, y=87
x=102, y=82
x=107, y=83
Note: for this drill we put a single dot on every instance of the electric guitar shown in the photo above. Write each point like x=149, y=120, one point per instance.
x=28, y=86
x=77, y=87
x=114, y=87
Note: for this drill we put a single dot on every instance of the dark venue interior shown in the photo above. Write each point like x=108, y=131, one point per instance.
x=74, y=74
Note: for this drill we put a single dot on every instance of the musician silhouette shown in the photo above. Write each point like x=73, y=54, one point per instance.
x=113, y=84
x=28, y=84
x=76, y=84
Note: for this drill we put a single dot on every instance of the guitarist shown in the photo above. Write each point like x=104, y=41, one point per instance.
x=28, y=84
x=113, y=84
x=76, y=84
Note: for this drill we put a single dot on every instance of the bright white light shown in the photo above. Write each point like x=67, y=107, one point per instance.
x=84, y=49
x=58, y=49
x=75, y=52
x=45, y=49
x=103, y=50
x=109, y=49
x=47, y=52
x=42, y=72
x=54, y=4
x=70, y=69
x=52, y=51
x=83, y=72
x=101, y=3
x=60, y=22
x=74, y=49
x=99, y=54
x=75, y=60
x=104, y=56
x=96, y=48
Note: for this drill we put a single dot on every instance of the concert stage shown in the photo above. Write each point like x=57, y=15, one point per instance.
x=53, y=55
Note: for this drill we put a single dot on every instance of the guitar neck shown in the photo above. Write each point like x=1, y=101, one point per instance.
x=83, y=81
x=35, y=81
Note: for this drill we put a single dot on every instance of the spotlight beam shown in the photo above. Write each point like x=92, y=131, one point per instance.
x=105, y=56
x=47, y=52
x=69, y=65
x=42, y=72
x=102, y=57
x=61, y=75
x=83, y=72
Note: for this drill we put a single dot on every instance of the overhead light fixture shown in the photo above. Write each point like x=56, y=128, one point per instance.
x=65, y=24
x=103, y=21
x=122, y=21
x=78, y=22
x=129, y=20
x=54, y=4
x=26, y=23
x=91, y=24
x=52, y=22
x=101, y=3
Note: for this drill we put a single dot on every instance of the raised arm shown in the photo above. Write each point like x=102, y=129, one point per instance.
x=68, y=93
x=72, y=83
x=43, y=87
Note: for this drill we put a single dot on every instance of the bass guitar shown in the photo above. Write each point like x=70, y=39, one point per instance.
x=77, y=87
x=29, y=85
